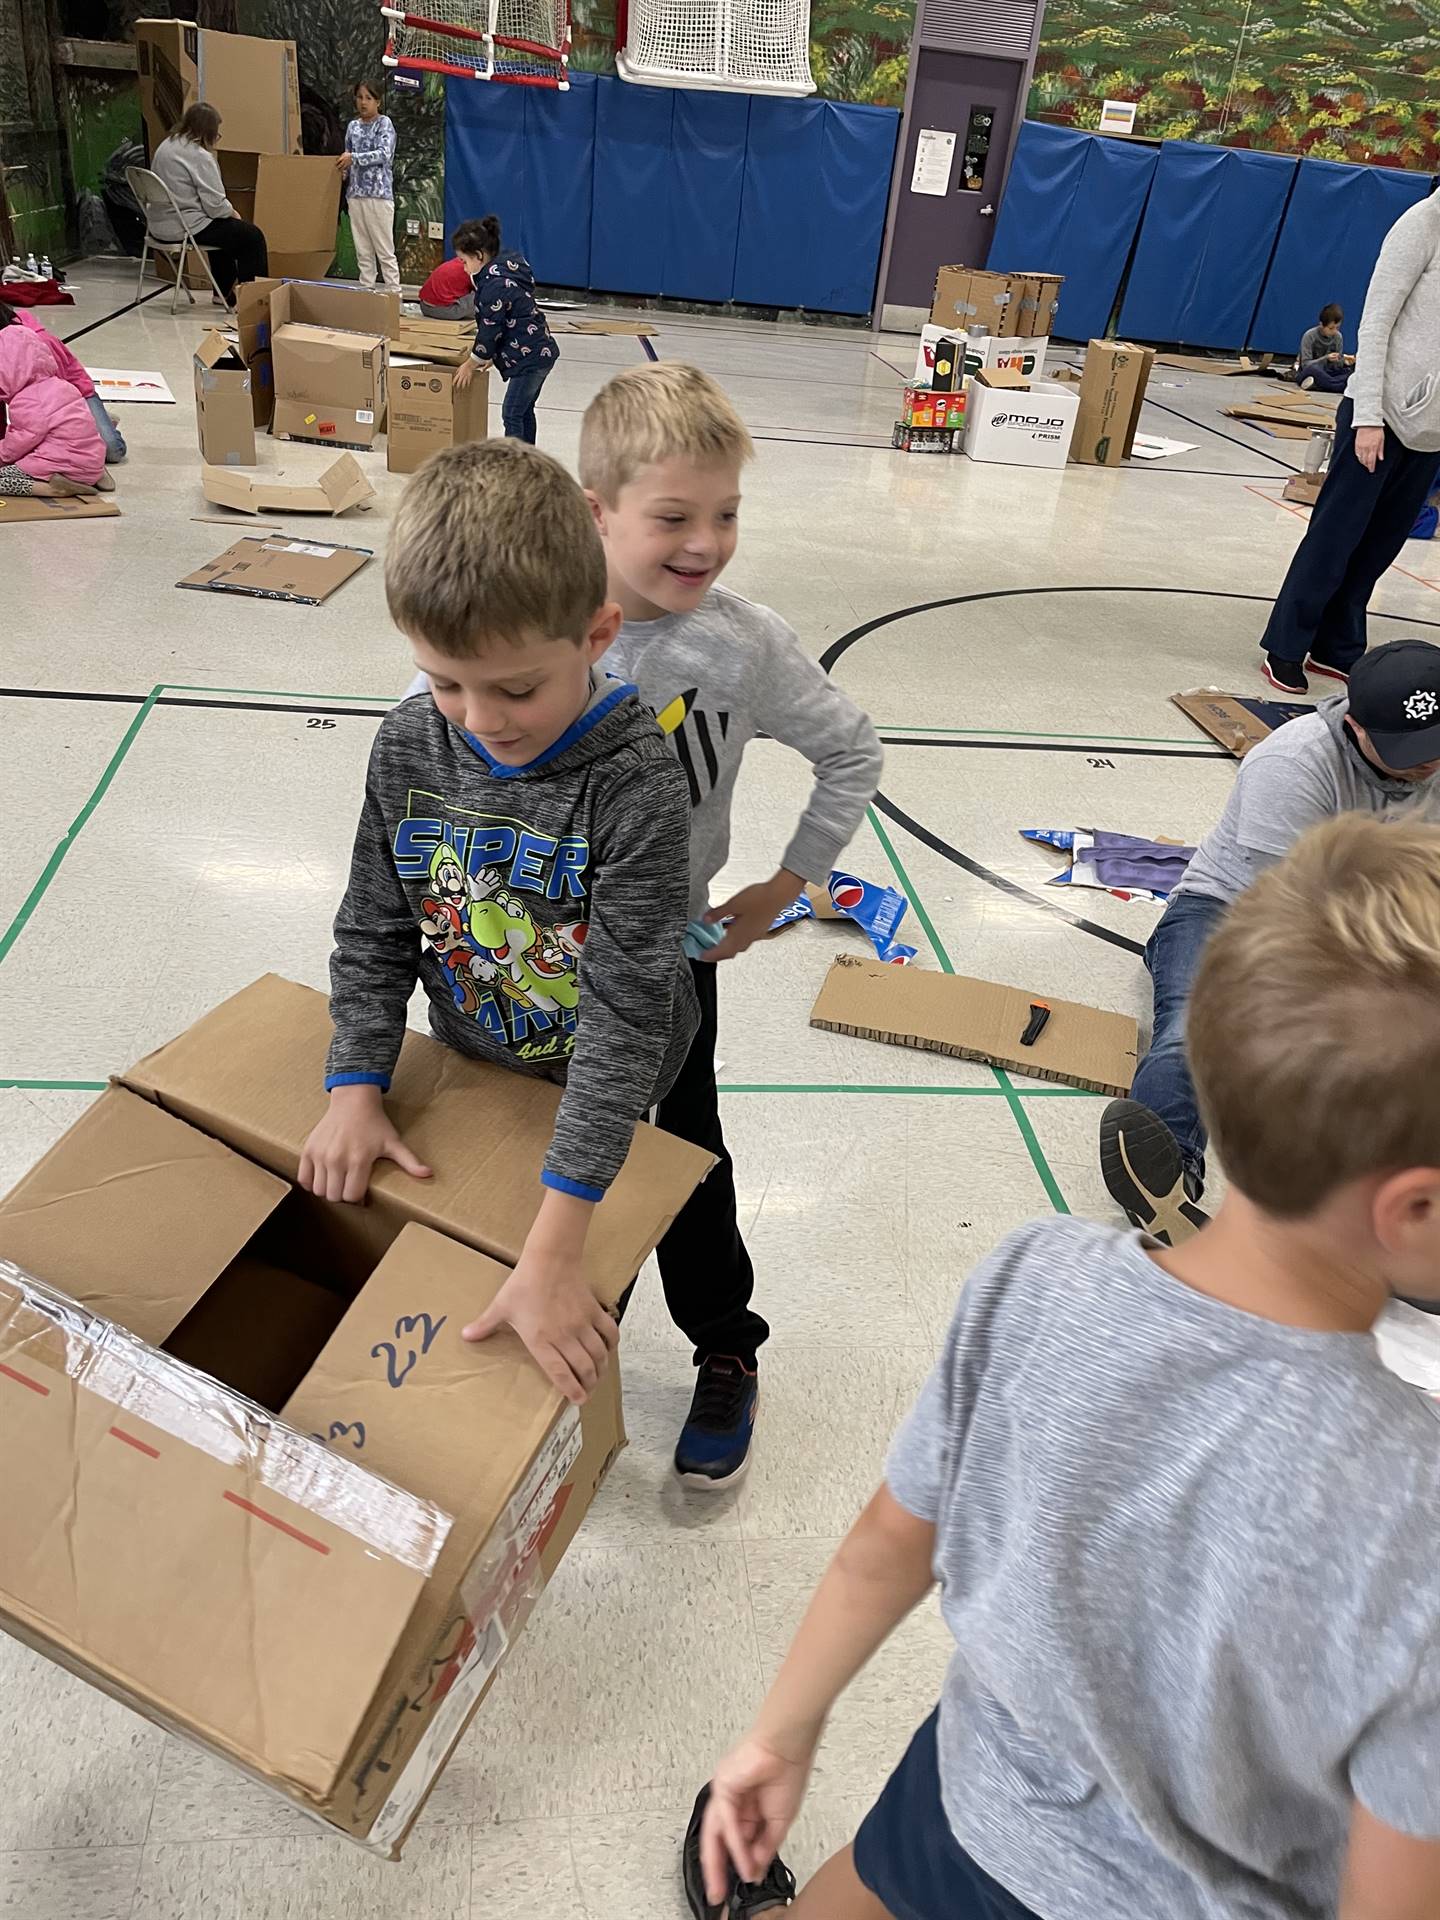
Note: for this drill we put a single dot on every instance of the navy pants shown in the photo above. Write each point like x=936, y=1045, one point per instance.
x=1327, y=379
x=1162, y=1080
x=1357, y=527
x=517, y=410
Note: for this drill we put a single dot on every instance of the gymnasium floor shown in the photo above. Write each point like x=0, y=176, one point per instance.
x=180, y=778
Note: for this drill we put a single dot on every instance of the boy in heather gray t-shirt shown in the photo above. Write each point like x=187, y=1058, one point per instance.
x=1182, y=1519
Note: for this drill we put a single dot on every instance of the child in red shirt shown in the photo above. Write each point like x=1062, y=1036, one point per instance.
x=447, y=294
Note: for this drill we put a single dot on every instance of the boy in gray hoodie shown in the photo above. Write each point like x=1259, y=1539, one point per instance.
x=523, y=852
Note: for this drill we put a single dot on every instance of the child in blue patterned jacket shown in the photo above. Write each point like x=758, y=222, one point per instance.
x=368, y=164
x=511, y=333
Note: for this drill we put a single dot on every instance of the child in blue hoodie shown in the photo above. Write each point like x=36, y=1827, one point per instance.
x=510, y=330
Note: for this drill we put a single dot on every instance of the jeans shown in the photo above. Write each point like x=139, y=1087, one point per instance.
x=1357, y=527
x=115, y=448
x=517, y=410
x=238, y=252
x=1162, y=1081
x=705, y=1269
x=1326, y=379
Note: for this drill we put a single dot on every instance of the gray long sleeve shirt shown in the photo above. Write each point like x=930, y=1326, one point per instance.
x=192, y=174
x=719, y=676
x=542, y=908
x=1396, y=382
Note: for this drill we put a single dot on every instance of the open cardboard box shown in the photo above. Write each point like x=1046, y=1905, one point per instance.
x=427, y=413
x=322, y=303
x=340, y=487
x=252, y=82
x=257, y=1487
x=224, y=412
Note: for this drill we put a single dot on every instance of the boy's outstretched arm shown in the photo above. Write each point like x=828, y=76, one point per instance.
x=880, y=1574
x=372, y=975
x=1388, y=1875
x=798, y=704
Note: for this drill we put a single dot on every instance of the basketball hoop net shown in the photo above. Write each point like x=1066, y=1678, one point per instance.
x=732, y=46
x=525, y=43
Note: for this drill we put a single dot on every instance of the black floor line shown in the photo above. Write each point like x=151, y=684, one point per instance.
x=104, y=321
x=998, y=880
x=1203, y=426
x=954, y=854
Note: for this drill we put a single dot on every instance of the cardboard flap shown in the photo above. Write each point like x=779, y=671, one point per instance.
x=340, y=487
x=397, y=1385
x=191, y=1553
x=216, y=351
x=978, y=1020
x=1010, y=378
x=297, y=202
x=252, y=1072
x=133, y=1214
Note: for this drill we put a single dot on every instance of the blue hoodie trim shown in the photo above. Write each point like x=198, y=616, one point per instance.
x=589, y=719
x=333, y=1080
x=576, y=1187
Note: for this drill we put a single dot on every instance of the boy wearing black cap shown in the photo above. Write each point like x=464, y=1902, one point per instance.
x=1374, y=749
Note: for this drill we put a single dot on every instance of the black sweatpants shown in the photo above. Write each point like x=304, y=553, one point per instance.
x=706, y=1271
x=240, y=252
x=1357, y=527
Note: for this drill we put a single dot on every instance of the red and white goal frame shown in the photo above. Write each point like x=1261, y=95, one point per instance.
x=524, y=43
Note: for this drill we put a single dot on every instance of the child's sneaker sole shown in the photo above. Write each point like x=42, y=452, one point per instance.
x=1144, y=1174
x=709, y=1483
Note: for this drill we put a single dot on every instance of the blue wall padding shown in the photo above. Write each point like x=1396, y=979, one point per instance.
x=1337, y=218
x=812, y=216
x=707, y=174
x=528, y=154
x=646, y=190
x=1205, y=244
x=630, y=202
x=1072, y=205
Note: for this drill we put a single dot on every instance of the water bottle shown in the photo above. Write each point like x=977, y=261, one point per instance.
x=30, y=266
x=47, y=272
x=1318, y=449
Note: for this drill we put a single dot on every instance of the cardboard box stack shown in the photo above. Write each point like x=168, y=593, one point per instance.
x=257, y=1487
x=1010, y=305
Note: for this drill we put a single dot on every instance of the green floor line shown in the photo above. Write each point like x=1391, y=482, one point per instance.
x=1015, y=733
x=943, y=1093
x=53, y=1086
x=281, y=693
x=53, y=864
x=1005, y=1084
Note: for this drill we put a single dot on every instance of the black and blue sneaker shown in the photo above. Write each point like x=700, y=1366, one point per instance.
x=714, y=1446
x=746, y=1898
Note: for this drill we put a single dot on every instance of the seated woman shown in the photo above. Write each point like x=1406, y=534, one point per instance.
x=186, y=163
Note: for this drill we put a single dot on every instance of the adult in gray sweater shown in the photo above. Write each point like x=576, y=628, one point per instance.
x=186, y=163
x=1387, y=451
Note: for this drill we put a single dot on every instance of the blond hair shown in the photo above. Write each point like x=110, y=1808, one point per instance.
x=493, y=541
x=667, y=411
x=1313, y=1028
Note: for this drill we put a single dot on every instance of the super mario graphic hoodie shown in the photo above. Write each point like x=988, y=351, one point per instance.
x=510, y=329
x=543, y=909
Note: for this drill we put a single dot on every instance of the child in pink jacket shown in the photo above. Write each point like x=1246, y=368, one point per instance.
x=49, y=438
x=69, y=368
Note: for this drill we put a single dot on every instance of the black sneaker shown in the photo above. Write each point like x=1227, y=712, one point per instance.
x=1314, y=664
x=1144, y=1174
x=1287, y=675
x=714, y=1445
x=746, y=1898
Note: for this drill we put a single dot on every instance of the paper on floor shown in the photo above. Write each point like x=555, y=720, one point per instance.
x=120, y=384
x=1152, y=446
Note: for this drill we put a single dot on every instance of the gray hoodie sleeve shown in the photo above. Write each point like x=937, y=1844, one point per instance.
x=798, y=704
x=1406, y=253
x=630, y=974
x=376, y=961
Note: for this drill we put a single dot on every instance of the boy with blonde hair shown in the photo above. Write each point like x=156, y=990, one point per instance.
x=522, y=850
x=661, y=451
x=1180, y=1514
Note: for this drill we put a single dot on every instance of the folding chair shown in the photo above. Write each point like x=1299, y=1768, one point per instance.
x=156, y=198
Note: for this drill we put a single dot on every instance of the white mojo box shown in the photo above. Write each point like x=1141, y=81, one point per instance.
x=1021, y=426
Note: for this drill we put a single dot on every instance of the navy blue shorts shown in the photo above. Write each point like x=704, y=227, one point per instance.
x=907, y=1855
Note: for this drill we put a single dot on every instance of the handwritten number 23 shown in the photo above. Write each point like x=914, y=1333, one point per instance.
x=395, y=1372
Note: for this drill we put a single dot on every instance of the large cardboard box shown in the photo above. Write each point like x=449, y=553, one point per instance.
x=320, y=1588
x=1005, y=352
x=968, y=297
x=1018, y=422
x=329, y=381
x=978, y=1020
x=1112, y=392
x=254, y=84
x=427, y=413
x=224, y=412
x=323, y=303
x=295, y=201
